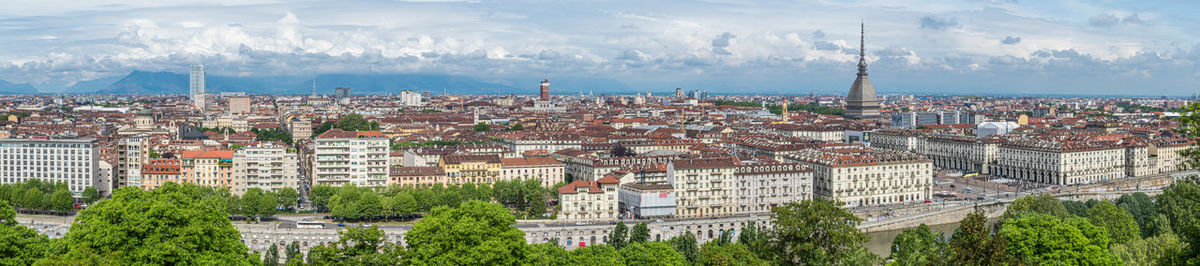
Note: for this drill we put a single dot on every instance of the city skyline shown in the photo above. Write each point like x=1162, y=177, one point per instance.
x=953, y=47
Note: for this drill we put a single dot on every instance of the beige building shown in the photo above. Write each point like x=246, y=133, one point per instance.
x=157, y=172
x=761, y=187
x=965, y=153
x=544, y=169
x=301, y=127
x=208, y=168
x=1060, y=162
x=355, y=157
x=704, y=187
x=862, y=176
x=417, y=176
x=589, y=201
x=239, y=104
x=479, y=169
x=268, y=166
x=1165, y=153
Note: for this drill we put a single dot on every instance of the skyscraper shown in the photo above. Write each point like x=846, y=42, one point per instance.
x=861, y=102
x=546, y=89
x=196, y=86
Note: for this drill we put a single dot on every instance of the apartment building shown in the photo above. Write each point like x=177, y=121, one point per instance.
x=704, y=187
x=814, y=132
x=156, y=172
x=761, y=187
x=131, y=153
x=861, y=176
x=589, y=201
x=547, y=171
x=1061, y=161
x=479, y=169
x=70, y=161
x=964, y=153
x=208, y=168
x=417, y=176
x=268, y=166
x=1165, y=152
x=354, y=157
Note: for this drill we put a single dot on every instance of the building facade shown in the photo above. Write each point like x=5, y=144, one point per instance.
x=208, y=168
x=70, y=161
x=350, y=157
x=703, y=187
x=478, y=169
x=267, y=166
x=589, y=201
x=547, y=171
x=869, y=177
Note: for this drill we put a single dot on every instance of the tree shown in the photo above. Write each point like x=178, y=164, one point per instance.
x=33, y=198
x=545, y=254
x=1156, y=250
x=19, y=245
x=90, y=195
x=405, y=204
x=818, y=232
x=595, y=255
x=686, y=245
x=173, y=224
x=516, y=127
x=1044, y=203
x=319, y=196
x=1141, y=207
x=61, y=200
x=1158, y=225
x=1189, y=125
x=920, y=246
x=651, y=253
x=1178, y=203
x=355, y=122
x=731, y=254
x=483, y=127
x=369, y=206
x=617, y=238
x=1077, y=208
x=258, y=203
x=357, y=246
x=288, y=197
x=640, y=233
x=294, y=257
x=476, y=233
x=1038, y=238
x=272, y=256
x=1119, y=224
x=345, y=205
x=973, y=243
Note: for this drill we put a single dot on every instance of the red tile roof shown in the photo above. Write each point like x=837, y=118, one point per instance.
x=223, y=154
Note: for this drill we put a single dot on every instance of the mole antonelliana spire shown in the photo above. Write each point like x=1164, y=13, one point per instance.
x=861, y=102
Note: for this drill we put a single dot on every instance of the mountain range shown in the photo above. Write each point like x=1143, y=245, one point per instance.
x=147, y=82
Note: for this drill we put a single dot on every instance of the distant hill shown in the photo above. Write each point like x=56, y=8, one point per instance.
x=144, y=82
x=23, y=88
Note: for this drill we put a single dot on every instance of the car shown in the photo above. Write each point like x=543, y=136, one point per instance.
x=979, y=198
x=928, y=201
x=341, y=225
x=951, y=185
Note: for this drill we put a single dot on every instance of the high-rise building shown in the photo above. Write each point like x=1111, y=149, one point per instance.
x=679, y=93
x=546, y=89
x=861, y=102
x=410, y=98
x=131, y=154
x=70, y=161
x=341, y=92
x=196, y=86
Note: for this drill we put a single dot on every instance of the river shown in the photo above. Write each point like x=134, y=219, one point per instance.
x=881, y=242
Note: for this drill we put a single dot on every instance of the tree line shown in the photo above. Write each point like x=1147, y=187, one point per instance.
x=36, y=195
x=352, y=203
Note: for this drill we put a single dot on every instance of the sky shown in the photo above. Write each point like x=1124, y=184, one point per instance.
x=800, y=47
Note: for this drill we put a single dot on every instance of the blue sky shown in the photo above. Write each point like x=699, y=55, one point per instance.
x=956, y=47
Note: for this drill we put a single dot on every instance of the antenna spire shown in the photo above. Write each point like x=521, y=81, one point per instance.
x=862, y=50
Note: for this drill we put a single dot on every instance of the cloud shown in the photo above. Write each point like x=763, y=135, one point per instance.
x=1011, y=40
x=1104, y=20
x=720, y=45
x=935, y=23
x=818, y=34
x=1132, y=19
x=826, y=46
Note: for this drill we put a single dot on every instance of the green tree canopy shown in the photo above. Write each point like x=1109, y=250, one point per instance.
x=288, y=197
x=19, y=245
x=640, y=233
x=818, y=232
x=90, y=195
x=920, y=246
x=686, y=245
x=1179, y=202
x=1119, y=224
x=1038, y=238
x=476, y=233
x=173, y=224
x=483, y=127
x=973, y=243
x=1044, y=203
x=729, y=255
x=617, y=238
x=1077, y=208
x=651, y=253
x=319, y=196
x=1141, y=207
x=1162, y=249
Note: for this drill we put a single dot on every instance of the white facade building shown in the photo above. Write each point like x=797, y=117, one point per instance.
x=70, y=161
x=196, y=81
x=266, y=166
x=410, y=98
x=354, y=157
x=869, y=177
